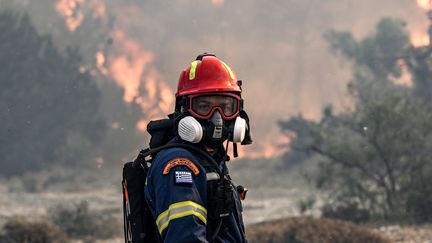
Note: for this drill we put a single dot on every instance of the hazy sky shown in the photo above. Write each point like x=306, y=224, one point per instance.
x=275, y=47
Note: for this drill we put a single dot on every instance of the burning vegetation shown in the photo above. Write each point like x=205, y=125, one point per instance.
x=63, y=107
x=127, y=62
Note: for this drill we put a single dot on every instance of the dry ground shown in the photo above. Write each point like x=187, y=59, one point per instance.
x=408, y=234
x=271, y=197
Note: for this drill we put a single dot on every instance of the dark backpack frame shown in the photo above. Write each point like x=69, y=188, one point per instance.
x=139, y=223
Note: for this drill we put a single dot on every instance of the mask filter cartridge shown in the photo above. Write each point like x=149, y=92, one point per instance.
x=189, y=129
x=239, y=131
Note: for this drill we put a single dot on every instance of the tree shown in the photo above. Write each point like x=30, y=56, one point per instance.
x=377, y=155
x=420, y=65
x=122, y=140
x=48, y=105
x=299, y=130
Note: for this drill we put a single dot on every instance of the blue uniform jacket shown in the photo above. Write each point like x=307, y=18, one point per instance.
x=176, y=194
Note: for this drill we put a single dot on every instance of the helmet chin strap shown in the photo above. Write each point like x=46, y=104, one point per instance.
x=235, y=151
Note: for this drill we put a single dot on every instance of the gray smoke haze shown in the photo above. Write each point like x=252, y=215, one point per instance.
x=276, y=47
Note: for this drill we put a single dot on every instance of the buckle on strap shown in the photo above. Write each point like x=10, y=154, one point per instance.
x=212, y=176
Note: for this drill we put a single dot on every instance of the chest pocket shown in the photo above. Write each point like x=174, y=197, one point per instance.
x=220, y=195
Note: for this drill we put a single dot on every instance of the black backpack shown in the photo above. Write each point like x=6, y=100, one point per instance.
x=139, y=223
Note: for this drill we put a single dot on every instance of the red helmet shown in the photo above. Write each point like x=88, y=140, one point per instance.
x=207, y=74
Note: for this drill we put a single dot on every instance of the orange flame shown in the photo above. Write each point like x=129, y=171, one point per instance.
x=217, y=3
x=142, y=125
x=406, y=78
x=128, y=67
x=71, y=11
x=101, y=62
x=115, y=125
x=265, y=149
x=420, y=39
x=425, y=4
x=132, y=70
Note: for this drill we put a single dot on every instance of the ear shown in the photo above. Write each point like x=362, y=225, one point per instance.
x=248, y=139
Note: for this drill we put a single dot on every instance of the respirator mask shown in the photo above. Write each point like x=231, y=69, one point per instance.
x=212, y=119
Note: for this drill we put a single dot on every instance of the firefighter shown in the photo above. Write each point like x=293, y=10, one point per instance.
x=191, y=197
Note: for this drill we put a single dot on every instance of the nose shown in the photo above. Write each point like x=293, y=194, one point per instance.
x=217, y=117
x=217, y=120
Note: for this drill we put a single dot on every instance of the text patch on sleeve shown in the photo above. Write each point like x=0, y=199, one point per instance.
x=183, y=162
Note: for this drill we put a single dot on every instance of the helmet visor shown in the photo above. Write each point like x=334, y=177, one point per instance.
x=203, y=106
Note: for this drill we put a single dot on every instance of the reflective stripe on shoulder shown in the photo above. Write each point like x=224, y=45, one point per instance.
x=229, y=71
x=180, y=210
x=211, y=176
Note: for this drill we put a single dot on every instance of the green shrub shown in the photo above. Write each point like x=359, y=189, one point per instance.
x=306, y=204
x=349, y=212
x=18, y=230
x=419, y=204
x=309, y=230
x=79, y=222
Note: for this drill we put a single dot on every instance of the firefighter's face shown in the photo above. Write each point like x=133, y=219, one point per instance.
x=205, y=105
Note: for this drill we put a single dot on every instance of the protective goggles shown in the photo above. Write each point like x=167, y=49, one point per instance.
x=203, y=106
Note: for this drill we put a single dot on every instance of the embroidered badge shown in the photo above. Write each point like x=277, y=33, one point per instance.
x=183, y=177
x=181, y=161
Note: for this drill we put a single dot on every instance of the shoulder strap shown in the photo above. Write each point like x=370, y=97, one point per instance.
x=147, y=152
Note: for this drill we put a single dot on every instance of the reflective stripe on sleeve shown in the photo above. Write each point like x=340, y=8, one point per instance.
x=180, y=210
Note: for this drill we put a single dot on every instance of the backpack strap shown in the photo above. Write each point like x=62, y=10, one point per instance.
x=147, y=152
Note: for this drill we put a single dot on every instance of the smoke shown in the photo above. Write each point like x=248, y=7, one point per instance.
x=275, y=47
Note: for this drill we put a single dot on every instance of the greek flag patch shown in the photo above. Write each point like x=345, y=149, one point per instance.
x=183, y=177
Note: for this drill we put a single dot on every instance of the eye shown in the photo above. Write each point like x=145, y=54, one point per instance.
x=227, y=108
x=203, y=106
